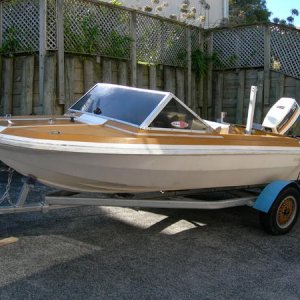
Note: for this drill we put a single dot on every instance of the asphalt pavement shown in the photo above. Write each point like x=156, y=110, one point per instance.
x=122, y=253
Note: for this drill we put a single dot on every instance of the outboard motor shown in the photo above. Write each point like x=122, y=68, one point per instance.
x=282, y=115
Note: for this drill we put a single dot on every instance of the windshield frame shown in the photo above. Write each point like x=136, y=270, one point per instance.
x=161, y=106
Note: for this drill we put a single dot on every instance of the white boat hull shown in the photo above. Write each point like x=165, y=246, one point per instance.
x=144, y=168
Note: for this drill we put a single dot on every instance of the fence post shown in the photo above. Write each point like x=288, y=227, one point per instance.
x=152, y=77
x=162, y=54
x=122, y=73
x=70, y=70
x=209, y=77
x=219, y=95
x=267, y=64
x=189, y=67
x=258, y=117
x=60, y=52
x=7, y=92
x=42, y=50
x=133, y=58
x=1, y=34
x=1, y=23
x=27, y=85
x=240, y=97
x=201, y=84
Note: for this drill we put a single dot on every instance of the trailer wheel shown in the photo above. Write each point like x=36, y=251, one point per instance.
x=283, y=214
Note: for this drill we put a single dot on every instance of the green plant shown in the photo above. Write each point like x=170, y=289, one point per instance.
x=90, y=34
x=11, y=43
x=86, y=39
x=233, y=59
x=120, y=44
x=116, y=2
x=201, y=62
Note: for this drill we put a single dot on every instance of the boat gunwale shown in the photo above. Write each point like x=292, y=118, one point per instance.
x=141, y=149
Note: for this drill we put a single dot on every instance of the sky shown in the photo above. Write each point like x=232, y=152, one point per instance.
x=282, y=9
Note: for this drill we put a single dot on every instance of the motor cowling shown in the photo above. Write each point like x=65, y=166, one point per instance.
x=282, y=115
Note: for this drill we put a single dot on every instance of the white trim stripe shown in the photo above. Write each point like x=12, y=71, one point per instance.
x=142, y=149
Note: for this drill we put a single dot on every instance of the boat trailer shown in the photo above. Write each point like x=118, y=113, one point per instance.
x=278, y=203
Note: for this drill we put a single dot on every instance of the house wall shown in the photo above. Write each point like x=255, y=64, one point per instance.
x=217, y=12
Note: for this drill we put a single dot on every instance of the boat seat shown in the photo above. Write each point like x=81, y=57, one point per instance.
x=163, y=120
x=224, y=130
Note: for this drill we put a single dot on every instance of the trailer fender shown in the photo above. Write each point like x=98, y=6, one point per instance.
x=269, y=194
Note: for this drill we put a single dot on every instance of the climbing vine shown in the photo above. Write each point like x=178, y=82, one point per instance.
x=11, y=43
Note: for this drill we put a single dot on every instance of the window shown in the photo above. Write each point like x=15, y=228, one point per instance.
x=176, y=116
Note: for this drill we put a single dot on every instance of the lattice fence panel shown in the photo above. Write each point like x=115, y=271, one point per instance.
x=160, y=41
x=175, y=44
x=51, y=25
x=206, y=40
x=20, y=25
x=150, y=43
x=96, y=29
x=240, y=47
x=196, y=39
x=285, y=50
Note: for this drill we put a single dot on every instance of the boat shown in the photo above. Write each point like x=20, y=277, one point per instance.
x=118, y=139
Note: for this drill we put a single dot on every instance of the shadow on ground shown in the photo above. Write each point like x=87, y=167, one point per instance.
x=113, y=253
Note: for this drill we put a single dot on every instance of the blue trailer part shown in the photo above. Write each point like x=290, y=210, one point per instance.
x=278, y=205
x=269, y=194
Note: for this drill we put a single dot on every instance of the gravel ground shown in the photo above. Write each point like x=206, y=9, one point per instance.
x=120, y=253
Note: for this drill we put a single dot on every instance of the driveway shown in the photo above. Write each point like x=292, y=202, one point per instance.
x=122, y=253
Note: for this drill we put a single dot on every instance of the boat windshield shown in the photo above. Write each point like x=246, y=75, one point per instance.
x=176, y=116
x=132, y=106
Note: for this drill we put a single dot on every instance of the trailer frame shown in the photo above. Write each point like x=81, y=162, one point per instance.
x=266, y=199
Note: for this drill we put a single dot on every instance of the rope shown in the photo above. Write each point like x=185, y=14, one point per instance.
x=6, y=195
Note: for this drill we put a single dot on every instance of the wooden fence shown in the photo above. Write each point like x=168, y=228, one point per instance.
x=55, y=50
x=231, y=91
x=19, y=92
x=227, y=90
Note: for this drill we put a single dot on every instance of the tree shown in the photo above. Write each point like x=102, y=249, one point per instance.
x=289, y=20
x=248, y=11
x=295, y=12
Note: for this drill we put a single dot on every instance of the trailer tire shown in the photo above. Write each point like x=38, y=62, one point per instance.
x=284, y=212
